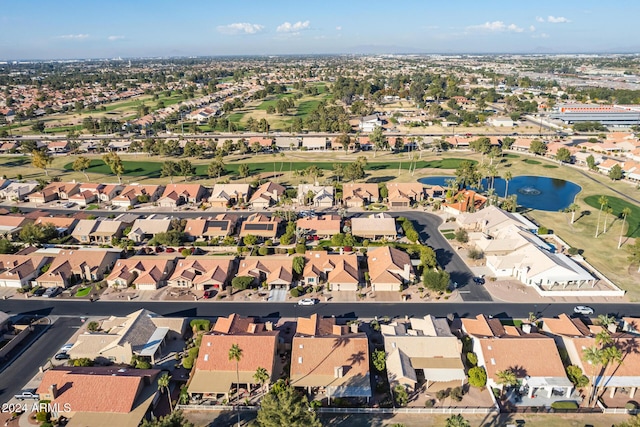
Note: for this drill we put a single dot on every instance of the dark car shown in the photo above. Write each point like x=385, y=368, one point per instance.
x=478, y=280
x=62, y=356
x=208, y=294
x=38, y=292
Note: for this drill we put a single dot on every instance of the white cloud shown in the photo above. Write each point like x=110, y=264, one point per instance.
x=532, y=28
x=288, y=27
x=496, y=26
x=339, y=28
x=539, y=19
x=73, y=36
x=540, y=36
x=557, y=19
x=114, y=38
x=240, y=28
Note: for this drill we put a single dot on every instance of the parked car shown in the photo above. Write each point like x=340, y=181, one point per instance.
x=38, y=292
x=65, y=348
x=51, y=292
x=62, y=356
x=29, y=393
x=307, y=301
x=583, y=309
x=208, y=294
x=478, y=280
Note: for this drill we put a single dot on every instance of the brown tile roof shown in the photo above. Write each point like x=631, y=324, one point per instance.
x=360, y=192
x=96, y=389
x=482, y=326
x=325, y=224
x=564, y=325
x=277, y=269
x=518, y=354
x=384, y=262
x=58, y=221
x=201, y=269
x=339, y=268
x=258, y=350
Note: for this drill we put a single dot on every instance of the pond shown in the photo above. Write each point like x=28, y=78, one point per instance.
x=535, y=192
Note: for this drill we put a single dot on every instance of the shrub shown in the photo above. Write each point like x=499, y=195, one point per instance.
x=575, y=375
x=294, y=292
x=187, y=362
x=43, y=416
x=573, y=251
x=456, y=394
x=301, y=248
x=268, y=243
x=263, y=250
x=401, y=395
x=475, y=253
x=186, y=252
x=442, y=394
x=461, y=235
x=241, y=282
x=472, y=358
x=477, y=376
x=564, y=404
x=200, y=324
x=543, y=230
x=631, y=405
x=429, y=403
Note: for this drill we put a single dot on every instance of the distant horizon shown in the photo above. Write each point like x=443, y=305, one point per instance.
x=249, y=55
x=76, y=29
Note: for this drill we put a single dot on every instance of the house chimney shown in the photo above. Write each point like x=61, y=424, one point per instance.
x=354, y=327
x=526, y=328
x=268, y=326
x=53, y=390
x=337, y=330
x=338, y=372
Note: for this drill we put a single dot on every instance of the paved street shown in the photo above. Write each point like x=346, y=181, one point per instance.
x=350, y=310
x=427, y=225
x=25, y=367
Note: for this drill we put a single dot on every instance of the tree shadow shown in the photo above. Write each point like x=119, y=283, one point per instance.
x=378, y=179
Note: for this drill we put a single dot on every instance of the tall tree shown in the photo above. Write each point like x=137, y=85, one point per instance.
x=235, y=353
x=41, y=159
x=285, y=406
x=573, y=208
x=603, y=202
x=115, y=164
x=243, y=170
x=634, y=253
x=81, y=164
x=170, y=169
x=186, y=169
x=457, y=420
x=261, y=376
x=163, y=385
x=625, y=213
x=608, y=211
x=216, y=167
x=378, y=140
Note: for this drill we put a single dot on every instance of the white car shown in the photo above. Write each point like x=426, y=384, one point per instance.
x=582, y=309
x=51, y=292
x=65, y=348
x=307, y=301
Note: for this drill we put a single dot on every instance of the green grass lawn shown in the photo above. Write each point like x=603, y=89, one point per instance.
x=61, y=129
x=531, y=161
x=83, y=292
x=449, y=236
x=14, y=161
x=92, y=207
x=617, y=205
x=550, y=166
x=306, y=107
x=131, y=168
x=510, y=156
x=272, y=102
x=267, y=164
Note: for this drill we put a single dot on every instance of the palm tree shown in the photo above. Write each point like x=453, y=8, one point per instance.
x=625, y=213
x=235, y=353
x=594, y=357
x=262, y=375
x=607, y=212
x=507, y=378
x=508, y=176
x=573, y=208
x=163, y=384
x=605, y=320
x=603, y=202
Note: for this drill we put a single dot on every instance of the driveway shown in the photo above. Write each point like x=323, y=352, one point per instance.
x=277, y=295
x=427, y=226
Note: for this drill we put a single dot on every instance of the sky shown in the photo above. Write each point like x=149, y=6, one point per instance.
x=65, y=29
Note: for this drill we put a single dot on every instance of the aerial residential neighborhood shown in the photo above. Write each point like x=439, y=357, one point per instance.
x=417, y=214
